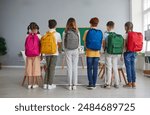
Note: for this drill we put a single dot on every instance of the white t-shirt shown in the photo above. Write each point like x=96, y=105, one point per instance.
x=58, y=39
x=125, y=36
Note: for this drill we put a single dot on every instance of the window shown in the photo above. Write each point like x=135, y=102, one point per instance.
x=146, y=16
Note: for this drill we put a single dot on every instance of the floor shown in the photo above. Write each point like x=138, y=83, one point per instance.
x=10, y=87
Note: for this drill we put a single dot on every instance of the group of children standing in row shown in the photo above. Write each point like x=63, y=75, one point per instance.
x=50, y=45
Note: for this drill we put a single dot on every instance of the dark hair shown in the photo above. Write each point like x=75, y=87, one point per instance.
x=32, y=26
x=129, y=26
x=71, y=24
x=94, y=21
x=52, y=23
x=110, y=24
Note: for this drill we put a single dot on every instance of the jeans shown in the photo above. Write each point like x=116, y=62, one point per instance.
x=129, y=58
x=50, y=69
x=111, y=62
x=92, y=69
x=72, y=57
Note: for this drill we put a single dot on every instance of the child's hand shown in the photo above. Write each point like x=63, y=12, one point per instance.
x=41, y=58
x=121, y=58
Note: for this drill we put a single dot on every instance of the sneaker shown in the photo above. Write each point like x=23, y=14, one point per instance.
x=74, y=87
x=94, y=87
x=89, y=87
x=116, y=86
x=129, y=85
x=49, y=87
x=133, y=85
x=105, y=86
x=53, y=86
x=35, y=86
x=45, y=86
x=29, y=86
x=69, y=87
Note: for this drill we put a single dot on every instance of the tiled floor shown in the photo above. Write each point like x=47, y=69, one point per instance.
x=10, y=86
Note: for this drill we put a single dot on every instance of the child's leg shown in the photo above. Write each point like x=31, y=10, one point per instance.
x=69, y=66
x=127, y=60
x=115, y=69
x=36, y=69
x=90, y=70
x=29, y=69
x=95, y=70
x=46, y=78
x=108, y=69
x=52, y=66
x=133, y=70
x=75, y=58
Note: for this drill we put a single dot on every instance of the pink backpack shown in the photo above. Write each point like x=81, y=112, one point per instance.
x=32, y=45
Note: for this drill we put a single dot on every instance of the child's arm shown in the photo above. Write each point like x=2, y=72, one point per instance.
x=104, y=44
x=59, y=42
x=84, y=38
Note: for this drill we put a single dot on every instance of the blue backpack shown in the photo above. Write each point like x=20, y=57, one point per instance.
x=94, y=39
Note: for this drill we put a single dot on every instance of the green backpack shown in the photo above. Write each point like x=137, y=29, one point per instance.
x=115, y=43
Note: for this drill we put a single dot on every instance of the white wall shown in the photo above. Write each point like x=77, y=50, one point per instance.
x=15, y=15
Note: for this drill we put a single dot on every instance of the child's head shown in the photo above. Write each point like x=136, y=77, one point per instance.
x=94, y=22
x=128, y=26
x=71, y=24
x=33, y=27
x=52, y=23
x=110, y=25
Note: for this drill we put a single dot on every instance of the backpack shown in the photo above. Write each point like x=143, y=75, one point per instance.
x=94, y=39
x=71, y=40
x=48, y=43
x=134, y=41
x=32, y=45
x=115, y=43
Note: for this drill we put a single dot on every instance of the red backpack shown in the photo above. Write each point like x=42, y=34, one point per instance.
x=134, y=41
x=32, y=45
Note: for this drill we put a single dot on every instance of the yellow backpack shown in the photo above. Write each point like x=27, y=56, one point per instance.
x=48, y=43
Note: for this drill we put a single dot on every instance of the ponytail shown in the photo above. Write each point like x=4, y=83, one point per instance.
x=38, y=29
x=28, y=28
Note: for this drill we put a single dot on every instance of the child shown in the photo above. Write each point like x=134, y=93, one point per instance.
x=129, y=58
x=32, y=51
x=93, y=40
x=111, y=60
x=71, y=43
x=51, y=58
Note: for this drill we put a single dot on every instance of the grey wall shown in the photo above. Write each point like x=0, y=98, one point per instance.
x=15, y=15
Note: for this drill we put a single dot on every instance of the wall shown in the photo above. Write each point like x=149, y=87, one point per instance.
x=17, y=14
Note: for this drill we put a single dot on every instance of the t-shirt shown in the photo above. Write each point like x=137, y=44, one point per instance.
x=58, y=39
x=125, y=36
x=89, y=52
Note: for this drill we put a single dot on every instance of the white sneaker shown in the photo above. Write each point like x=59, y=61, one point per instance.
x=70, y=87
x=29, y=86
x=45, y=86
x=53, y=86
x=35, y=86
x=74, y=87
x=49, y=87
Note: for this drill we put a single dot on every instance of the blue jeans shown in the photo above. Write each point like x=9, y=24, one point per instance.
x=92, y=69
x=129, y=58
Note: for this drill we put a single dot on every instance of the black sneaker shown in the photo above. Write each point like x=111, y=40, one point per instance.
x=94, y=87
x=89, y=87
